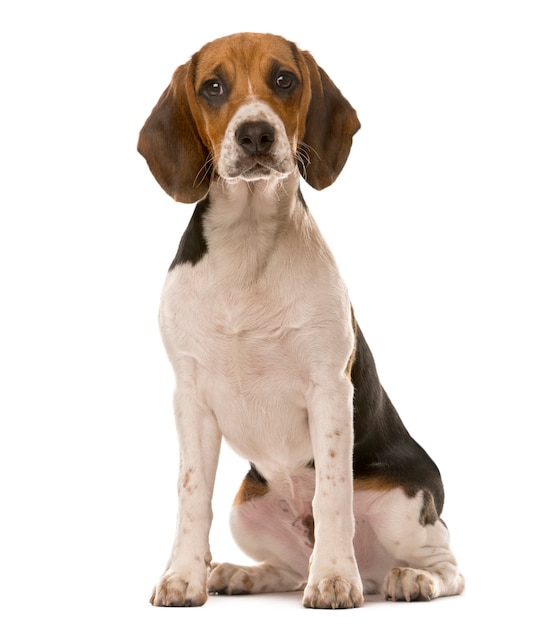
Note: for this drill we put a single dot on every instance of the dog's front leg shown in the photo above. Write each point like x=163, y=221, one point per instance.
x=334, y=580
x=184, y=582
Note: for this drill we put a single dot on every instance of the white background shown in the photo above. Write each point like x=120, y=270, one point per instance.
x=439, y=222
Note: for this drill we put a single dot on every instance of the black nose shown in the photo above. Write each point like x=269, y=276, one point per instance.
x=255, y=138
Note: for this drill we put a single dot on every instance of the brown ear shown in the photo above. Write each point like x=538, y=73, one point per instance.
x=330, y=126
x=171, y=145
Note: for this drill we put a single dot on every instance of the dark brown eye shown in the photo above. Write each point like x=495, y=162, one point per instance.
x=213, y=89
x=285, y=81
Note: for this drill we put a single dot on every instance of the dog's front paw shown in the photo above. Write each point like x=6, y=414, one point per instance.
x=333, y=593
x=405, y=583
x=176, y=590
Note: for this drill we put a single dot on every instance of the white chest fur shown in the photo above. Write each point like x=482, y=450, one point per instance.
x=258, y=320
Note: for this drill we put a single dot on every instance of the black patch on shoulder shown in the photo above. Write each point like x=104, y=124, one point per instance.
x=193, y=246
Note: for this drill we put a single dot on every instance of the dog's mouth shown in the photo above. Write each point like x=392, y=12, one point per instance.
x=261, y=171
x=251, y=169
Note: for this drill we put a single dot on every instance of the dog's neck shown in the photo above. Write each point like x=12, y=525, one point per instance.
x=246, y=221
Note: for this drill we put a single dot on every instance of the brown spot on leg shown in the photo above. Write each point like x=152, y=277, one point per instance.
x=187, y=477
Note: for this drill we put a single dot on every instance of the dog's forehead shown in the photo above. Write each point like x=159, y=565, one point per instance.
x=244, y=55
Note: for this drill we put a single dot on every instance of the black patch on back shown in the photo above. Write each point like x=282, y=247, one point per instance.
x=193, y=246
x=383, y=447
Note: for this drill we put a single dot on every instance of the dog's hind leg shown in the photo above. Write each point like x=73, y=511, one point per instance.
x=411, y=531
x=273, y=527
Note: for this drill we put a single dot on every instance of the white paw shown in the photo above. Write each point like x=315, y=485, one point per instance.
x=333, y=593
x=405, y=583
x=176, y=590
x=230, y=579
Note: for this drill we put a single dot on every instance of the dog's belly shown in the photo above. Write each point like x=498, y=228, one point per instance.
x=279, y=524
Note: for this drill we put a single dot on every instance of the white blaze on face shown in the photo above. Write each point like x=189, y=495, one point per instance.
x=235, y=163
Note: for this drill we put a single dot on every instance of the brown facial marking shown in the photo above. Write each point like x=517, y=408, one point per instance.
x=244, y=67
x=181, y=138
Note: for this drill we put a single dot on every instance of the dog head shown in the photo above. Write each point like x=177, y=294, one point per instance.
x=248, y=106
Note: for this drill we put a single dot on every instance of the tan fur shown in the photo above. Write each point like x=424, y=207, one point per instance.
x=250, y=489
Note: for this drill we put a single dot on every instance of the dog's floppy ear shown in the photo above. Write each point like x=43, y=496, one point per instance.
x=330, y=125
x=171, y=144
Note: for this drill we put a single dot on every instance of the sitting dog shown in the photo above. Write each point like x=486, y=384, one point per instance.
x=340, y=501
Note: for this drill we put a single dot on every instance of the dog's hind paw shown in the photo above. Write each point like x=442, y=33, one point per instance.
x=229, y=579
x=405, y=583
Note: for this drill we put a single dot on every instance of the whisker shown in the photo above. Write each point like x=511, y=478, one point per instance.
x=309, y=149
x=203, y=171
x=303, y=159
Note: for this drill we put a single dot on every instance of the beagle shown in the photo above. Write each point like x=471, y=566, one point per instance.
x=340, y=501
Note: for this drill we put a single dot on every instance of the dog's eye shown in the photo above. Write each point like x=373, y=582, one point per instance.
x=213, y=89
x=285, y=81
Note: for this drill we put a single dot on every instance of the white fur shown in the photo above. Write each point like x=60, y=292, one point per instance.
x=259, y=334
x=232, y=159
x=388, y=538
